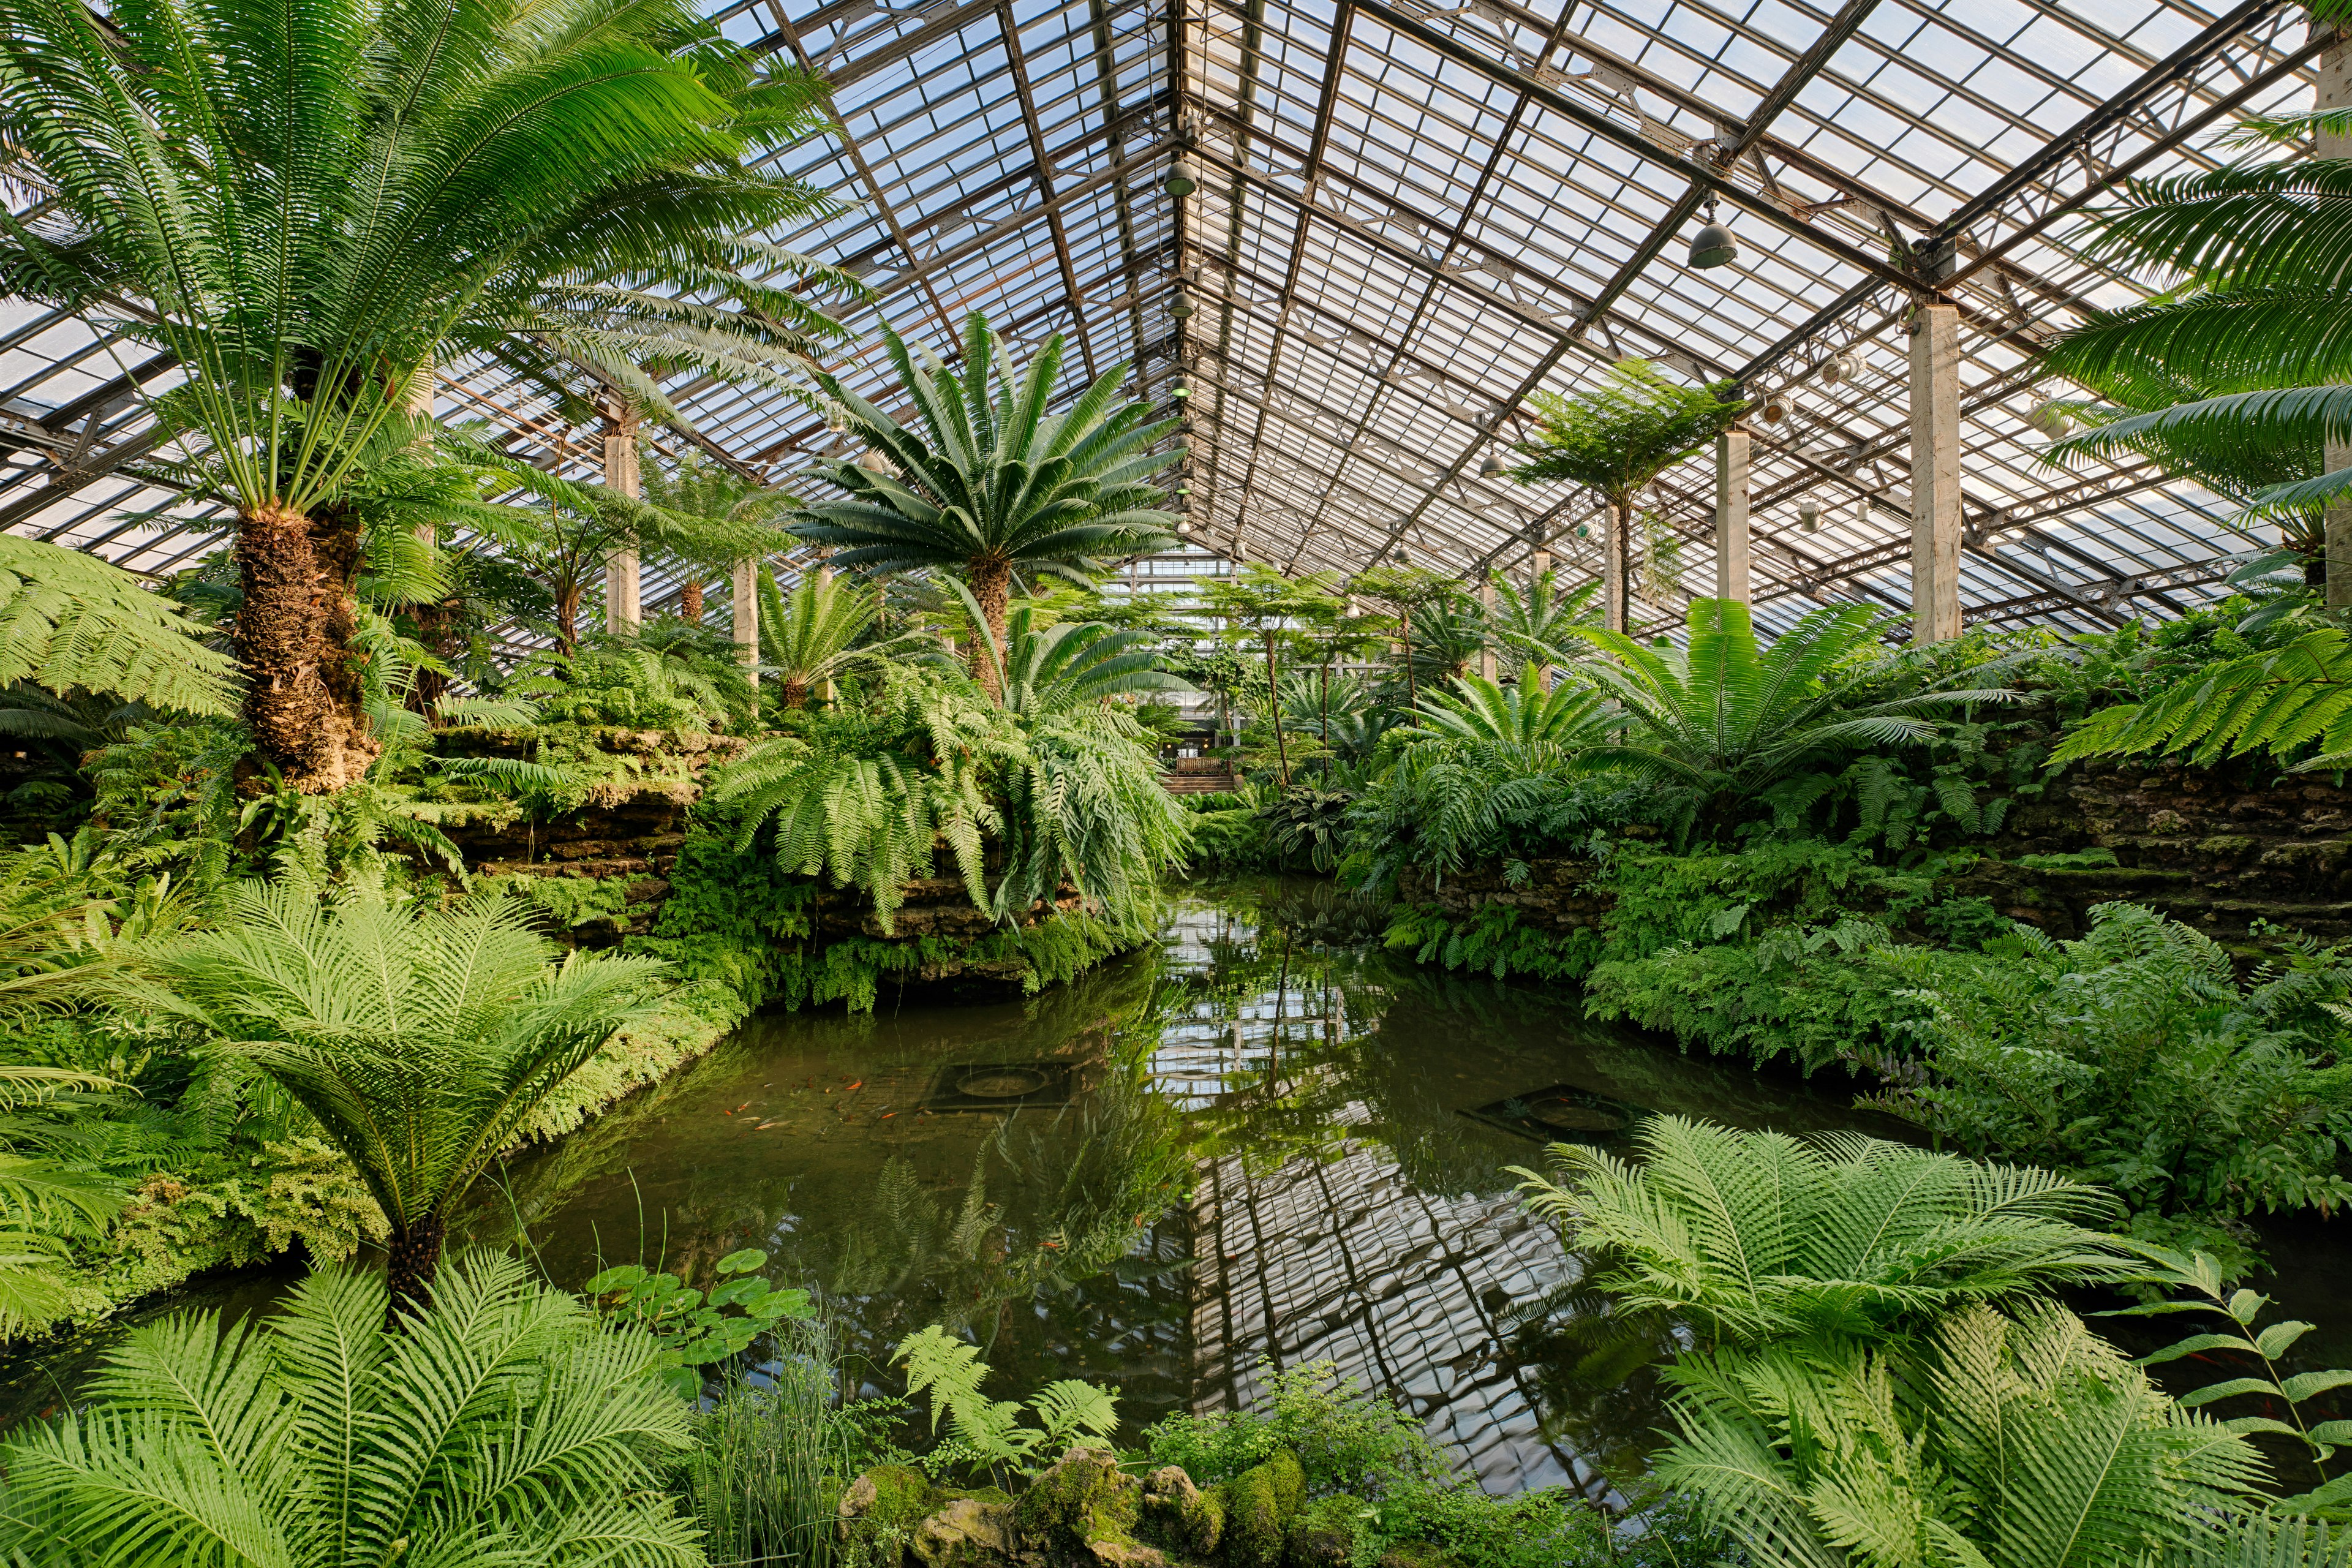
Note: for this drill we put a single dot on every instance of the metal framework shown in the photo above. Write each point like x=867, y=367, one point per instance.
x=1411, y=217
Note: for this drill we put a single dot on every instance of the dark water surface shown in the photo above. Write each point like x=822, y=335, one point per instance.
x=1266, y=1143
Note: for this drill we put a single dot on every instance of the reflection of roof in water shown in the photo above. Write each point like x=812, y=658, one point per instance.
x=1347, y=1262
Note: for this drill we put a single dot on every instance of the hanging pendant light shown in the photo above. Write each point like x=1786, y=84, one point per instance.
x=837, y=417
x=1183, y=527
x=1180, y=392
x=1809, y=516
x=1713, y=245
x=1180, y=306
x=1492, y=469
x=1181, y=179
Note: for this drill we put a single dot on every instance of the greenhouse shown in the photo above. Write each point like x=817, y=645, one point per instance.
x=1331, y=783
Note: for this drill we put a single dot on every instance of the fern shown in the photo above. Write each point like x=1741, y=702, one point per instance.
x=71, y=622
x=2283, y=702
x=987, y=1432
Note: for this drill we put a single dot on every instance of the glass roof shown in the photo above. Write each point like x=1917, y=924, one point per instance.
x=1410, y=217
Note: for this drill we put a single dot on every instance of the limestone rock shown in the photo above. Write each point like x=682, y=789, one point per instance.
x=1323, y=1534
x=1081, y=1513
x=885, y=1499
x=1180, y=1516
x=968, y=1532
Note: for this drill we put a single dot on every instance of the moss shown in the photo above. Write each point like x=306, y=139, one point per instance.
x=967, y=1532
x=1258, y=1506
x=1323, y=1534
x=1082, y=1511
x=882, y=1509
x=1416, y=1554
x=1180, y=1517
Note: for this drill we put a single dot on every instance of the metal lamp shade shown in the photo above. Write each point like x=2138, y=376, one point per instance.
x=1714, y=246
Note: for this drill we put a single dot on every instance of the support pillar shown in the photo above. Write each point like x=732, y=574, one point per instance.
x=1486, y=642
x=620, y=617
x=1935, y=474
x=2334, y=90
x=747, y=617
x=1732, y=515
x=1616, y=526
x=1539, y=565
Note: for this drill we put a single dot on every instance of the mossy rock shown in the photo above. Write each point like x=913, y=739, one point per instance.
x=1260, y=1503
x=968, y=1532
x=1178, y=1517
x=1081, y=1513
x=1323, y=1533
x=1417, y=1554
x=884, y=1505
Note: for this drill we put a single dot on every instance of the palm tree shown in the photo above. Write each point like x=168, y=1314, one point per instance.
x=811, y=636
x=2237, y=377
x=1755, y=1238
x=1072, y=667
x=305, y=206
x=1617, y=438
x=1730, y=719
x=992, y=485
x=1271, y=605
x=71, y=623
x=422, y=1041
x=1538, y=625
x=504, y=1424
x=1526, y=722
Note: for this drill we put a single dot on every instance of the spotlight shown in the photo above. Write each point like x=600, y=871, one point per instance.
x=1582, y=531
x=1181, y=305
x=1712, y=246
x=1492, y=469
x=1842, y=367
x=1775, y=409
x=1182, y=179
x=1809, y=516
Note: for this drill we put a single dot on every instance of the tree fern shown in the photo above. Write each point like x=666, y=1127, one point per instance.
x=1758, y=1237
x=2011, y=1442
x=504, y=1425
x=2283, y=702
x=71, y=623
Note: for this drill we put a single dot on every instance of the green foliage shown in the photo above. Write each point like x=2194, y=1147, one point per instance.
x=1619, y=435
x=504, y=1422
x=639, y=687
x=421, y=1040
x=2290, y=703
x=818, y=631
x=1341, y=1436
x=74, y=624
x=2199, y=1275
x=1306, y=825
x=697, y=1328
x=992, y=483
x=987, y=1433
x=1755, y=1238
x=2026, y=1442
x=2135, y=1058
x=1227, y=838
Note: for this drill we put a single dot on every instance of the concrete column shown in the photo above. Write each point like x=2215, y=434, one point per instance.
x=1935, y=474
x=1732, y=515
x=824, y=580
x=1616, y=527
x=1486, y=649
x=747, y=617
x=1540, y=563
x=620, y=617
x=2334, y=91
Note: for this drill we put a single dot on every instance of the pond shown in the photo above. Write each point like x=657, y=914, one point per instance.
x=1265, y=1144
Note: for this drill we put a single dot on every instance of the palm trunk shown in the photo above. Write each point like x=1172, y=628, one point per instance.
x=991, y=582
x=1281, y=752
x=305, y=695
x=567, y=620
x=795, y=693
x=415, y=1258
x=690, y=603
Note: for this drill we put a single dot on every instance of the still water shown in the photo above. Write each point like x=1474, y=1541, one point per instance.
x=1263, y=1144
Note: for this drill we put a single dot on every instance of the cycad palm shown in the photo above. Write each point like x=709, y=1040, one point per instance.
x=1537, y=624
x=308, y=201
x=1727, y=717
x=992, y=484
x=2240, y=378
x=811, y=635
x=1064, y=669
x=503, y=1426
x=421, y=1041
x=1758, y=1237
x=1534, y=727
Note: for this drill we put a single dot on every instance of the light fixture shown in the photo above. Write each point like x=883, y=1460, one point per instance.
x=2051, y=420
x=1713, y=245
x=1183, y=489
x=1183, y=527
x=1492, y=469
x=1775, y=409
x=1809, y=516
x=1842, y=367
x=873, y=462
x=1180, y=392
x=1353, y=609
x=1582, y=531
x=837, y=417
x=1181, y=179
x=1181, y=305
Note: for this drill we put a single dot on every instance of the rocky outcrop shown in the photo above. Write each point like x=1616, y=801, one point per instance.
x=1085, y=1511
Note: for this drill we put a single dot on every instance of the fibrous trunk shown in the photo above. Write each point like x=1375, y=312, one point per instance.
x=689, y=602
x=415, y=1258
x=305, y=697
x=991, y=582
x=795, y=693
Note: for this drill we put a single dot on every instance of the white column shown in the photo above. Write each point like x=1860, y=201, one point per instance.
x=747, y=617
x=1732, y=515
x=620, y=617
x=1935, y=474
x=1540, y=563
x=824, y=580
x=1616, y=525
x=2334, y=91
x=1486, y=647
